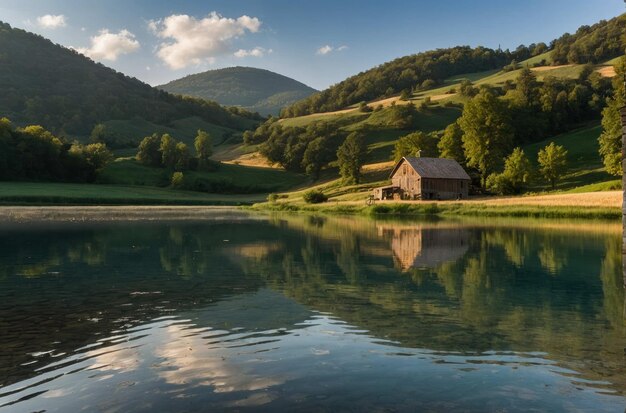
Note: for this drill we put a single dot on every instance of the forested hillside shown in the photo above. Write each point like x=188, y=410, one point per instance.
x=415, y=72
x=254, y=89
x=590, y=44
x=479, y=106
x=64, y=91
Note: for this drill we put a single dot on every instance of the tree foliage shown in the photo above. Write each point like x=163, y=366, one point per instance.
x=451, y=143
x=34, y=153
x=299, y=149
x=165, y=152
x=405, y=73
x=591, y=44
x=149, y=152
x=351, y=156
x=203, y=145
x=611, y=138
x=167, y=148
x=416, y=144
x=552, y=162
x=487, y=133
x=515, y=177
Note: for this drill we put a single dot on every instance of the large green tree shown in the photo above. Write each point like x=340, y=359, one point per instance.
x=168, y=151
x=97, y=155
x=451, y=143
x=148, y=152
x=611, y=138
x=552, y=162
x=204, y=148
x=350, y=157
x=487, y=133
x=516, y=175
x=416, y=144
x=182, y=157
x=316, y=156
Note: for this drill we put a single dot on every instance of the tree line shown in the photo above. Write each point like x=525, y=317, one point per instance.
x=415, y=72
x=494, y=121
x=590, y=44
x=166, y=152
x=34, y=153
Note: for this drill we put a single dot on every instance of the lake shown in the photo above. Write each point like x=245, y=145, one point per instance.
x=301, y=313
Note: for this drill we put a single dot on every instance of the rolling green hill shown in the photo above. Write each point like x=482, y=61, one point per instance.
x=64, y=91
x=257, y=90
x=590, y=44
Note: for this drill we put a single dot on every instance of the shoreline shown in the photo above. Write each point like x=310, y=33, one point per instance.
x=111, y=213
x=451, y=209
x=583, y=205
x=579, y=206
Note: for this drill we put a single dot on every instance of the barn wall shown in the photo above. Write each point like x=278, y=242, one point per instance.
x=415, y=186
x=445, y=188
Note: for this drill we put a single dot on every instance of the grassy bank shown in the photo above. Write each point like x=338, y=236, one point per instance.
x=48, y=193
x=450, y=209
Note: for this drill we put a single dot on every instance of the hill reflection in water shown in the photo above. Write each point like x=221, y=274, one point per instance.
x=310, y=313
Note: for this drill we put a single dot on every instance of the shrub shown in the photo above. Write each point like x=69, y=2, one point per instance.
x=364, y=108
x=499, y=184
x=272, y=198
x=178, y=180
x=314, y=197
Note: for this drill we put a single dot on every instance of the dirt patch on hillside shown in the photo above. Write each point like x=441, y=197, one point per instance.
x=607, y=71
x=380, y=166
x=252, y=159
x=546, y=68
x=440, y=97
x=322, y=114
x=388, y=102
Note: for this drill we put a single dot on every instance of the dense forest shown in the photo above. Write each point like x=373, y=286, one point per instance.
x=33, y=153
x=423, y=70
x=68, y=93
x=591, y=44
x=257, y=90
x=524, y=111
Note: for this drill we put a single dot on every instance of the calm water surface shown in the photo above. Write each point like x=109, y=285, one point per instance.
x=292, y=313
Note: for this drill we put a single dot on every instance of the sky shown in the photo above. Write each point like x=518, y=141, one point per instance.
x=316, y=42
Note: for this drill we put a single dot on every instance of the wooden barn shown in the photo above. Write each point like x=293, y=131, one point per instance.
x=426, y=178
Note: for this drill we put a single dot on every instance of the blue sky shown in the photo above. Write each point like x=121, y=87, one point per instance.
x=316, y=42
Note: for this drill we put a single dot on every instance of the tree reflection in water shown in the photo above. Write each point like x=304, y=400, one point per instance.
x=468, y=289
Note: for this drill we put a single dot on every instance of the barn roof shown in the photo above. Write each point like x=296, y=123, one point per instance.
x=436, y=168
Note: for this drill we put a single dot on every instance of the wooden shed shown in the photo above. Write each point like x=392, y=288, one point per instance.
x=426, y=178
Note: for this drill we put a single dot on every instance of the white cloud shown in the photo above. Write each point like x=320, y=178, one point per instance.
x=324, y=50
x=109, y=46
x=192, y=41
x=256, y=52
x=51, y=21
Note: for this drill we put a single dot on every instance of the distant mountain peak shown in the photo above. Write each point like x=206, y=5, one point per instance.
x=258, y=90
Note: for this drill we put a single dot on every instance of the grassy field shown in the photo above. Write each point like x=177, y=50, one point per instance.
x=232, y=178
x=451, y=208
x=47, y=193
x=183, y=130
x=585, y=164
